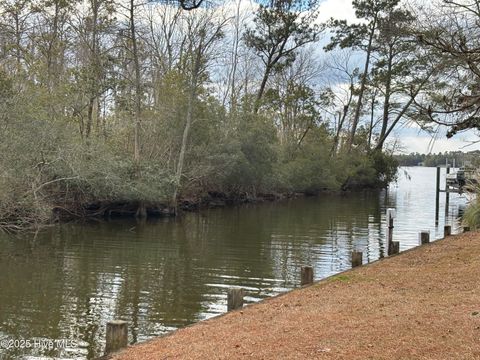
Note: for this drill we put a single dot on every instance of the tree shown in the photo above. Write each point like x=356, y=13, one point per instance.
x=360, y=36
x=138, y=88
x=92, y=26
x=401, y=70
x=450, y=31
x=278, y=33
x=202, y=35
x=13, y=30
x=338, y=100
x=291, y=101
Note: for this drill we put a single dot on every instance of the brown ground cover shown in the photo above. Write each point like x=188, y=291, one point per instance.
x=421, y=304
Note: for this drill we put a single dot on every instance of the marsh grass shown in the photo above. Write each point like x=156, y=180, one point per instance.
x=471, y=217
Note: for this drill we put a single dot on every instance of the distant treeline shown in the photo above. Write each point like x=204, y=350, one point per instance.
x=460, y=158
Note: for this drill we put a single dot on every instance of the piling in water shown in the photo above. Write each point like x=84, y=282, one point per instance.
x=437, y=195
x=116, y=336
x=357, y=258
x=447, y=230
x=306, y=275
x=390, y=245
x=424, y=237
x=235, y=298
x=447, y=193
x=394, y=248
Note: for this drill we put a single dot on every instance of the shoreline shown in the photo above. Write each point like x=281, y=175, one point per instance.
x=110, y=210
x=208, y=200
x=260, y=328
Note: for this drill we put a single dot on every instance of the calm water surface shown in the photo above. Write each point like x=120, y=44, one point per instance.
x=68, y=281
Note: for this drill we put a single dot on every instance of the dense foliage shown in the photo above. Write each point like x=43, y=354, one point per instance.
x=146, y=103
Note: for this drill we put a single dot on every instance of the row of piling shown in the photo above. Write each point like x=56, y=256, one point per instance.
x=117, y=330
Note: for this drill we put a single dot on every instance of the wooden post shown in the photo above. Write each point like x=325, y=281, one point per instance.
x=390, y=246
x=394, y=248
x=447, y=194
x=447, y=230
x=466, y=229
x=306, y=275
x=235, y=298
x=116, y=336
x=424, y=237
x=437, y=195
x=357, y=258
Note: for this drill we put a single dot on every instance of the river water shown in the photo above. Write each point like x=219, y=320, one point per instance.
x=58, y=289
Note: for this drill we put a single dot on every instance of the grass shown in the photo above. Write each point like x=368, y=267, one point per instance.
x=342, y=278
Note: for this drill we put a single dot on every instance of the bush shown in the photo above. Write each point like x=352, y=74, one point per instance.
x=471, y=217
x=308, y=168
x=372, y=170
x=253, y=158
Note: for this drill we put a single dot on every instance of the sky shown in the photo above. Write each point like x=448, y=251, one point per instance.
x=411, y=138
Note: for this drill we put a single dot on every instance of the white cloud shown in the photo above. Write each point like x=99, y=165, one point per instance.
x=338, y=9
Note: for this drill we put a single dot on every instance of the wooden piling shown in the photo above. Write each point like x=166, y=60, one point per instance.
x=116, y=336
x=466, y=229
x=437, y=195
x=390, y=227
x=357, y=258
x=447, y=230
x=390, y=246
x=394, y=248
x=447, y=193
x=424, y=237
x=235, y=298
x=306, y=275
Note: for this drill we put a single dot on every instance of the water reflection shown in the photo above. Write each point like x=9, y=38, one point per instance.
x=70, y=280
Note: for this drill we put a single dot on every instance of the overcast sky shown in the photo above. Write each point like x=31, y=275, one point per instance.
x=412, y=139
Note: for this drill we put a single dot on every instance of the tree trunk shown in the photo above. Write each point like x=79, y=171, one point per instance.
x=333, y=151
x=141, y=212
x=386, y=102
x=372, y=114
x=363, y=84
x=261, y=90
x=188, y=123
x=382, y=139
x=94, y=69
x=137, y=106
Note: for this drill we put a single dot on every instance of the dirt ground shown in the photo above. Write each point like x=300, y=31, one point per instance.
x=421, y=304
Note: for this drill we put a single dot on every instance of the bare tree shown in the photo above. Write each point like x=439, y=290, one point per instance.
x=203, y=30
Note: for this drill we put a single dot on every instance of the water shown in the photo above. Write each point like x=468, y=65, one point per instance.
x=68, y=281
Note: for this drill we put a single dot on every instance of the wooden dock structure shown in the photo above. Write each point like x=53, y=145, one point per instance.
x=455, y=182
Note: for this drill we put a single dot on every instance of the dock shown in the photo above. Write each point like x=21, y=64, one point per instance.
x=458, y=182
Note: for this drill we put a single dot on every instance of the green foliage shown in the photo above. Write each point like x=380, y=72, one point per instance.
x=385, y=166
x=376, y=169
x=254, y=157
x=356, y=35
x=278, y=33
x=309, y=167
x=471, y=217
